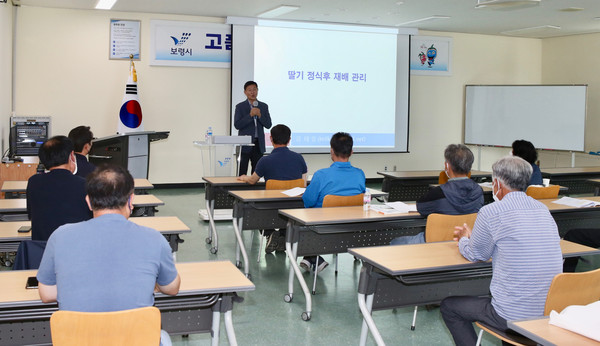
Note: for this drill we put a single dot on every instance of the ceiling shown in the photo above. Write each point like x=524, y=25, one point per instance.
x=464, y=17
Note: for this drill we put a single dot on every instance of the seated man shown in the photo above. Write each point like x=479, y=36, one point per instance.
x=339, y=179
x=82, y=142
x=460, y=195
x=584, y=236
x=107, y=263
x=521, y=237
x=281, y=164
x=57, y=197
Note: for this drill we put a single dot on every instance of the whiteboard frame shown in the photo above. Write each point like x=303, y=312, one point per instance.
x=580, y=146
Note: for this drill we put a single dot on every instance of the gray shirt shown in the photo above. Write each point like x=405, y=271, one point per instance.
x=106, y=264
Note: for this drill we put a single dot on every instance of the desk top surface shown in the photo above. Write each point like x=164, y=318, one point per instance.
x=196, y=278
x=560, y=207
x=540, y=331
x=570, y=170
x=227, y=181
x=20, y=204
x=322, y=216
x=275, y=195
x=21, y=185
x=433, y=174
x=427, y=257
x=163, y=224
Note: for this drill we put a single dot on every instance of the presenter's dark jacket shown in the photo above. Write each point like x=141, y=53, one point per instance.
x=244, y=123
x=84, y=167
x=54, y=199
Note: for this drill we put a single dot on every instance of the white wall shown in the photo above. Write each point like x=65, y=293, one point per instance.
x=6, y=34
x=63, y=70
x=574, y=60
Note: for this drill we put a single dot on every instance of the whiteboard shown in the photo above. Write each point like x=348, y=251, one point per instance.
x=549, y=116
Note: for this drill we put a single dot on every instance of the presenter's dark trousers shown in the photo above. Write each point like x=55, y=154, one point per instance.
x=584, y=236
x=252, y=156
x=459, y=313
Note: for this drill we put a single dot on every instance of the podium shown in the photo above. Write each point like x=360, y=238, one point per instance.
x=221, y=158
x=220, y=155
x=130, y=150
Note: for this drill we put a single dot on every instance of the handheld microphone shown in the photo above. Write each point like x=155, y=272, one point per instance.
x=255, y=104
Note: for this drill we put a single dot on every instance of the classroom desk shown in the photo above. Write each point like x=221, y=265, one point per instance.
x=411, y=185
x=207, y=290
x=575, y=178
x=409, y=275
x=596, y=184
x=568, y=218
x=217, y=197
x=144, y=203
x=17, y=188
x=169, y=226
x=540, y=331
x=318, y=231
x=259, y=209
x=487, y=193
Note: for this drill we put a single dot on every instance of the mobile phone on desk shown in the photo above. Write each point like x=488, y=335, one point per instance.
x=32, y=282
x=24, y=229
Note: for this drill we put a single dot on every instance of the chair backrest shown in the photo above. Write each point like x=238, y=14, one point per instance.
x=541, y=192
x=128, y=327
x=274, y=184
x=29, y=254
x=440, y=227
x=443, y=178
x=573, y=289
x=342, y=201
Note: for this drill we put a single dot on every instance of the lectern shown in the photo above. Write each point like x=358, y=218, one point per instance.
x=129, y=150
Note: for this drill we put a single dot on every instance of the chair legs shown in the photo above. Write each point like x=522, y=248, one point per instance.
x=316, y=273
x=479, y=337
x=414, y=321
x=335, y=258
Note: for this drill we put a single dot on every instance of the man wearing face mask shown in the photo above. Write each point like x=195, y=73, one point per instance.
x=56, y=197
x=521, y=236
x=75, y=270
x=460, y=195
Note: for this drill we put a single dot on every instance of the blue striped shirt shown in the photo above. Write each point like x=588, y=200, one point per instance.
x=521, y=236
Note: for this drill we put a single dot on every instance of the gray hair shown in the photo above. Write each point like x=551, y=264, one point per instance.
x=513, y=171
x=459, y=157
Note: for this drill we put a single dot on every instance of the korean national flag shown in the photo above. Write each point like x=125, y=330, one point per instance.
x=130, y=115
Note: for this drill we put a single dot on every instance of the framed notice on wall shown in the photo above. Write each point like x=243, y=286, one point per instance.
x=124, y=39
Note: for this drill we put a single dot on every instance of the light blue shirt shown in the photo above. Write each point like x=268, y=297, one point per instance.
x=339, y=179
x=521, y=237
x=106, y=264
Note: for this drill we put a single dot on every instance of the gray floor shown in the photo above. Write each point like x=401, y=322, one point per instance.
x=265, y=319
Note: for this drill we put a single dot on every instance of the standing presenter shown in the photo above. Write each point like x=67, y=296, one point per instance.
x=251, y=118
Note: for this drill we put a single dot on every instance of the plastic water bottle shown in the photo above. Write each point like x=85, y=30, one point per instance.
x=209, y=134
x=367, y=200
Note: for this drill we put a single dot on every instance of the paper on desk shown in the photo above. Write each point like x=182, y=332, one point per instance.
x=297, y=191
x=580, y=319
x=393, y=208
x=577, y=202
x=488, y=184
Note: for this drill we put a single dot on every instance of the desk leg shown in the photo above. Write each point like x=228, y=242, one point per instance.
x=237, y=227
x=365, y=307
x=212, y=230
x=215, y=328
x=229, y=328
x=296, y=269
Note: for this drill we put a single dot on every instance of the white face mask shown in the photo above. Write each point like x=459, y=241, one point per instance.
x=494, y=196
x=75, y=163
x=446, y=169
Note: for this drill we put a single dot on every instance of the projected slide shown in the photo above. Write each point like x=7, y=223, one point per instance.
x=321, y=78
x=323, y=81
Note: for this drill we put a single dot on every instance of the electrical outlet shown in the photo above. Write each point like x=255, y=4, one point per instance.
x=385, y=168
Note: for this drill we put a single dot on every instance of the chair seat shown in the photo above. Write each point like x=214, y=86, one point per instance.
x=509, y=336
